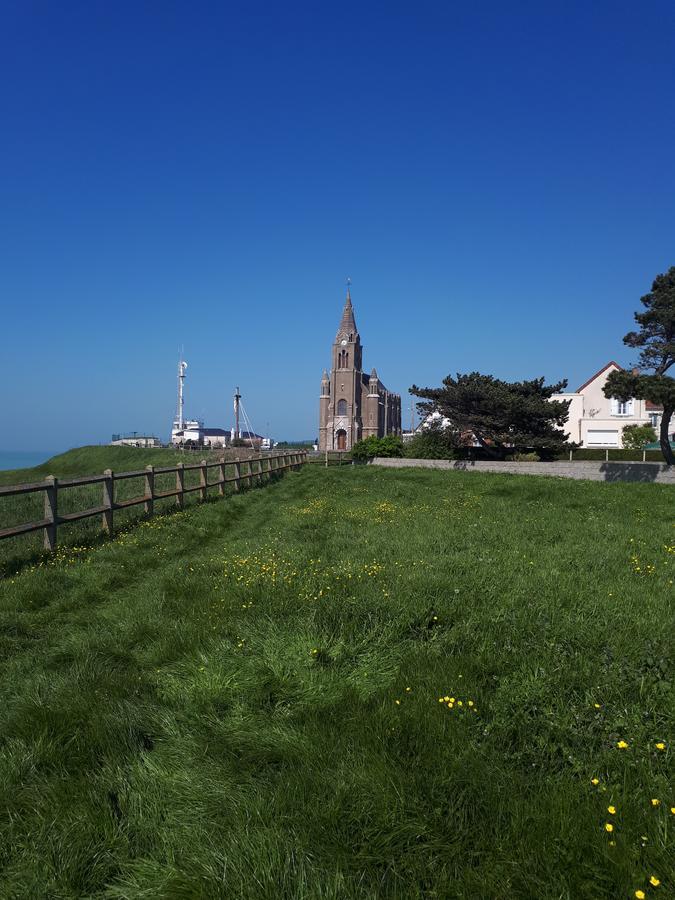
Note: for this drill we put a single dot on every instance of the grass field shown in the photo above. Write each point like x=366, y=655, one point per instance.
x=252, y=698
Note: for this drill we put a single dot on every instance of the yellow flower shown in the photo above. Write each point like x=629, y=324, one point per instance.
x=660, y=746
x=672, y=809
x=611, y=809
x=655, y=802
x=470, y=702
x=595, y=781
x=397, y=702
x=654, y=881
x=640, y=895
x=622, y=745
x=596, y=705
x=609, y=827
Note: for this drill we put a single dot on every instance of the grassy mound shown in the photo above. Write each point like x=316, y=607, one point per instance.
x=94, y=460
x=356, y=683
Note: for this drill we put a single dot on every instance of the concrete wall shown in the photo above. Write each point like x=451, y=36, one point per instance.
x=584, y=470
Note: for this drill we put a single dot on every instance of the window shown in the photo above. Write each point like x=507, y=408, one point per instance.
x=622, y=407
x=342, y=408
x=654, y=420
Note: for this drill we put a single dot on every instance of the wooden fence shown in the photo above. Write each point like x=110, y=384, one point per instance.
x=247, y=471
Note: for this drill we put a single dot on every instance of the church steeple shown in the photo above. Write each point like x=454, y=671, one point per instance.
x=348, y=327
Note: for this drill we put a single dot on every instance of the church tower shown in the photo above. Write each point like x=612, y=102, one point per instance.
x=347, y=395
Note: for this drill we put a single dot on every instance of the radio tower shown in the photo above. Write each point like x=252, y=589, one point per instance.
x=237, y=398
x=182, y=366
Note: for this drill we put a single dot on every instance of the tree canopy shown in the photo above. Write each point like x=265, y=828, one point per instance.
x=500, y=414
x=656, y=341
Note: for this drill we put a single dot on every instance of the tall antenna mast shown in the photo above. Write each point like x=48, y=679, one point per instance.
x=237, y=398
x=182, y=366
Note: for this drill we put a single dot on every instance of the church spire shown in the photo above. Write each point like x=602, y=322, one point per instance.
x=347, y=327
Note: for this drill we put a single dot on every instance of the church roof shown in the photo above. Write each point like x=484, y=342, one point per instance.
x=348, y=322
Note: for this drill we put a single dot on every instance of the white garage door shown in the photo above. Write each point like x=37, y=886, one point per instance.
x=599, y=438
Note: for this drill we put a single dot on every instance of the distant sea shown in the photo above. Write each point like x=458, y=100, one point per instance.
x=23, y=459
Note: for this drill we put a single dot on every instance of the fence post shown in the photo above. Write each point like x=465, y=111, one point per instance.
x=203, y=475
x=51, y=511
x=326, y=458
x=108, y=502
x=221, y=477
x=149, y=490
x=249, y=473
x=606, y=455
x=644, y=456
x=571, y=455
x=180, y=485
x=237, y=474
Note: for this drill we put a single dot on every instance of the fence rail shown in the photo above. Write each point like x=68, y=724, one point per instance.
x=257, y=469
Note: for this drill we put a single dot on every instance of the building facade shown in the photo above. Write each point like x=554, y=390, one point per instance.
x=353, y=405
x=598, y=421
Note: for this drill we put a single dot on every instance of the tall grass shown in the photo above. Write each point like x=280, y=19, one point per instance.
x=247, y=699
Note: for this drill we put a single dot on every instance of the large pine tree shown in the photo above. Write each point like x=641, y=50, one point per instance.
x=500, y=414
x=656, y=341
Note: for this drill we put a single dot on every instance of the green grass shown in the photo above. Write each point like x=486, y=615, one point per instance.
x=206, y=706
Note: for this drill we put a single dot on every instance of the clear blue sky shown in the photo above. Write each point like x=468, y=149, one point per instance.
x=498, y=180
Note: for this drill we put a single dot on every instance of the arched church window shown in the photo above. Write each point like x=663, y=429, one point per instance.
x=342, y=408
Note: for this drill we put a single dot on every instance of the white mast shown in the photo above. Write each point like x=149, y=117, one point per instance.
x=182, y=366
x=237, y=398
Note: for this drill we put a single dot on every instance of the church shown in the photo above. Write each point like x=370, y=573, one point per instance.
x=353, y=405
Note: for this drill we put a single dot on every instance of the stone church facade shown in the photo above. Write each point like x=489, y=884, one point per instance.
x=353, y=405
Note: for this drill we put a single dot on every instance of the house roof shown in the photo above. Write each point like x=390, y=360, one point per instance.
x=651, y=407
x=597, y=374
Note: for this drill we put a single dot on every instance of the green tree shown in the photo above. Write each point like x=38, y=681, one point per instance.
x=636, y=437
x=500, y=414
x=389, y=445
x=656, y=341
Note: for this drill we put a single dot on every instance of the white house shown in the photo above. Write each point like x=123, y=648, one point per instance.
x=135, y=439
x=597, y=421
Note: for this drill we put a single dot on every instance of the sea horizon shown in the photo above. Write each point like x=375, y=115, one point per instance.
x=23, y=459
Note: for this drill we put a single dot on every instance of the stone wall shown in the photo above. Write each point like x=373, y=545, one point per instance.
x=583, y=470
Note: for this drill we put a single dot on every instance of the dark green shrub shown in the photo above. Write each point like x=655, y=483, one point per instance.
x=389, y=445
x=434, y=442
